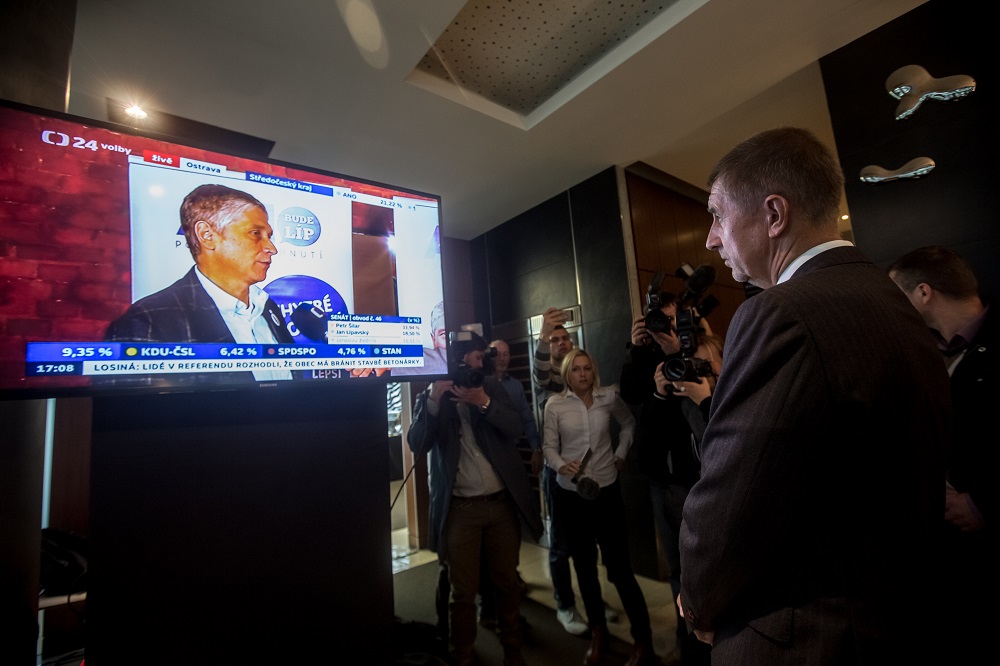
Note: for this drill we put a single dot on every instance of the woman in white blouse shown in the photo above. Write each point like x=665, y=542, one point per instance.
x=577, y=421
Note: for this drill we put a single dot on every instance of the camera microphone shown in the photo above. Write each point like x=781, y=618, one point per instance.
x=311, y=321
x=583, y=463
x=586, y=487
x=656, y=320
x=698, y=281
x=702, y=278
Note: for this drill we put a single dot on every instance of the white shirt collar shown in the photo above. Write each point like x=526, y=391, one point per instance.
x=809, y=254
x=246, y=324
x=229, y=304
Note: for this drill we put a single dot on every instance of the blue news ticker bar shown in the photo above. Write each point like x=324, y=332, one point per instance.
x=381, y=319
x=289, y=183
x=60, y=352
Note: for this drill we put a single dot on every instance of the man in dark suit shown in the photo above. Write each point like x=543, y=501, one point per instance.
x=944, y=290
x=812, y=535
x=218, y=300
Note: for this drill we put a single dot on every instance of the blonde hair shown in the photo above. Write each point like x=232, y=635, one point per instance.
x=567, y=366
x=714, y=344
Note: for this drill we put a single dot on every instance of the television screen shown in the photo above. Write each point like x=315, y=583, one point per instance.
x=130, y=262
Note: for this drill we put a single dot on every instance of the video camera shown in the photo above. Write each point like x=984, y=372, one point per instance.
x=462, y=374
x=655, y=319
x=690, y=309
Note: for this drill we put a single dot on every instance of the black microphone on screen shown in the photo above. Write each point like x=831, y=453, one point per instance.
x=311, y=321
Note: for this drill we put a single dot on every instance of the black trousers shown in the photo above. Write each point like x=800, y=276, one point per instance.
x=602, y=521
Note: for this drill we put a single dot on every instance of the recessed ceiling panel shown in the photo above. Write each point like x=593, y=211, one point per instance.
x=520, y=56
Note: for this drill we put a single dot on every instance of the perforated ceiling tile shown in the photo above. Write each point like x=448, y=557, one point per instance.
x=519, y=53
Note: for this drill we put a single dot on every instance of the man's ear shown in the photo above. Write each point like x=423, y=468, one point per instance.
x=205, y=234
x=924, y=292
x=776, y=209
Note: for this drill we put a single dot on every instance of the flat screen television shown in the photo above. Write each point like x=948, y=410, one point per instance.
x=302, y=275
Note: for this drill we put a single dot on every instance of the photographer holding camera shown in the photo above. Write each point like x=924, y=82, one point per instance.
x=480, y=493
x=664, y=451
x=696, y=391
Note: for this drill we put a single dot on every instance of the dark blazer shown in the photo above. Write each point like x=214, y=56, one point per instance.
x=967, y=573
x=497, y=432
x=974, y=397
x=813, y=532
x=664, y=452
x=184, y=312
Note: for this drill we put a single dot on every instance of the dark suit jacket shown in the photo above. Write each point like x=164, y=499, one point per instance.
x=663, y=436
x=968, y=571
x=184, y=312
x=497, y=432
x=812, y=534
x=974, y=397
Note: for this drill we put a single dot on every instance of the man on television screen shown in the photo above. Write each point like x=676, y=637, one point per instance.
x=435, y=356
x=218, y=300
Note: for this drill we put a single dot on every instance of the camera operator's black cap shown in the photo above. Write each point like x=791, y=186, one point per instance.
x=464, y=342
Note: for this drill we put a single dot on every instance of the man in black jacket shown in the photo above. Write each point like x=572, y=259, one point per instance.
x=480, y=496
x=944, y=290
x=664, y=448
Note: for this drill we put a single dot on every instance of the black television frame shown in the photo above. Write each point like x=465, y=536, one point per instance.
x=68, y=292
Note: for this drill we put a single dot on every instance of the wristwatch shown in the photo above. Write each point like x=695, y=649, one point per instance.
x=483, y=408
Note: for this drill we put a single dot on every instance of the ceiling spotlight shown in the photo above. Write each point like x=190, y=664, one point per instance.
x=366, y=30
x=844, y=217
x=136, y=112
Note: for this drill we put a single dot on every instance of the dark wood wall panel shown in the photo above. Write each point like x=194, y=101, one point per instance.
x=654, y=224
x=605, y=307
x=568, y=250
x=530, y=263
x=22, y=442
x=459, y=295
x=69, y=507
x=670, y=228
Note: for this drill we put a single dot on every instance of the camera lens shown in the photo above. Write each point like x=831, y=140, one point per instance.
x=686, y=369
x=657, y=321
x=677, y=370
x=467, y=376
